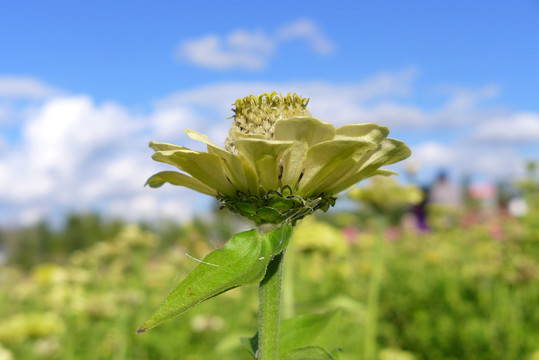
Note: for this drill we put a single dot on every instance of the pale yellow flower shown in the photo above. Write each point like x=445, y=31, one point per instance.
x=386, y=194
x=279, y=163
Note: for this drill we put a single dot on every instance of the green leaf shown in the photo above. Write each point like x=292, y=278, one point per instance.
x=243, y=260
x=311, y=330
x=307, y=353
x=250, y=344
x=305, y=335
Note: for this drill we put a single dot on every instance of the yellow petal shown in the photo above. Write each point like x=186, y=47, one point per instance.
x=240, y=173
x=293, y=163
x=304, y=128
x=367, y=132
x=388, y=152
x=264, y=156
x=327, y=161
x=159, y=146
x=237, y=135
x=205, y=167
x=176, y=178
x=384, y=172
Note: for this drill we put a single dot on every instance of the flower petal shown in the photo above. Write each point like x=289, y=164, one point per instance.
x=384, y=172
x=159, y=146
x=304, y=128
x=327, y=161
x=264, y=156
x=237, y=135
x=176, y=178
x=240, y=173
x=388, y=152
x=205, y=167
x=293, y=162
x=368, y=132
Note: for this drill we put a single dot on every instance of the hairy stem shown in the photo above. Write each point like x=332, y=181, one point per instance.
x=269, y=310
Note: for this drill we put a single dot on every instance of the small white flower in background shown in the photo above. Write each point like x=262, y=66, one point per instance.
x=5, y=354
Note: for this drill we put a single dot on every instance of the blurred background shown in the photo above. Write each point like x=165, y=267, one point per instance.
x=439, y=263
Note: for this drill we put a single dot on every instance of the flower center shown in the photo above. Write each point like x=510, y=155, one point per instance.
x=276, y=206
x=258, y=114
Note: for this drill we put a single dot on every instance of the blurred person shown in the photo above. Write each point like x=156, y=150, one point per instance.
x=419, y=211
x=444, y=193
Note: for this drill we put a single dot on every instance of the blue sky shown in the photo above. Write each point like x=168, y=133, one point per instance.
x=85, y=85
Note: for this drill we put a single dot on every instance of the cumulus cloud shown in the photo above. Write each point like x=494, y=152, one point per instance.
x=434, y=154
x=250, y=50
x=491, y=163
x=5, y=114
x=77, y=155
x=518, y=128
x=306, y=30
x=464, y=99
x=214, y=52
x=25, y=88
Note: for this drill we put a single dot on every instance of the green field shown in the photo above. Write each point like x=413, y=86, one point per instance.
x=464, y=290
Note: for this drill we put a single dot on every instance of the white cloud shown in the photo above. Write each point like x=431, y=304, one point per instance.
x=250, y=50
x=395, y=116
x=149, y=206
x=515, y=128
x=306, y=30
x=434, y=155
x=3, y=143
x=468, y=159
x=6, y=113
x=13, y=87
x=464, y=99
x=251, y=41
x=68, y=130
x=214, y=52
x=75, y=154
x=171, y=121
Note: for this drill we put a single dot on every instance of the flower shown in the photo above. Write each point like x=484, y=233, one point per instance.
x=386, y=194
x=279, y=163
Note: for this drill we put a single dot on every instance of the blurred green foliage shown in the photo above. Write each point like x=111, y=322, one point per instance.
x=459, y=292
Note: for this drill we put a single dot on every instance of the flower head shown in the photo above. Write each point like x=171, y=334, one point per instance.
x=279, y=163
x=386, y=194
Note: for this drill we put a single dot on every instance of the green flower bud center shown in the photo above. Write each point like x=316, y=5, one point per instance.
x=258, y=114
x=276, y=206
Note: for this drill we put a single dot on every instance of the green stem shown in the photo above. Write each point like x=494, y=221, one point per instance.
x=269, y=310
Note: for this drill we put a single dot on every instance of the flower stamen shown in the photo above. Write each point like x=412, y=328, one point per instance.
x=257, y=114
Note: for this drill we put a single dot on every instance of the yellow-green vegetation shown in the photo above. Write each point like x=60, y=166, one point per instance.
x=456, y=293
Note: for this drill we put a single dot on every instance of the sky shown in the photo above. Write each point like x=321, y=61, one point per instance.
x=84, y=87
